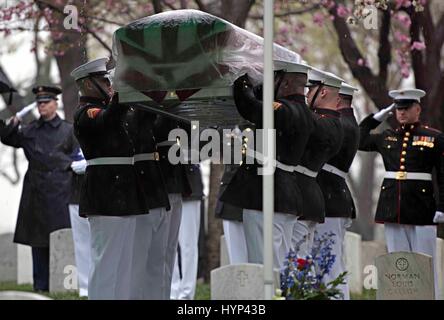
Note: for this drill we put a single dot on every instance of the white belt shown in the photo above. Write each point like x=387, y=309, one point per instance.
x=146, y=157
x=334, y=170
x=110, y=161
x=402, y=175
x=301, y=169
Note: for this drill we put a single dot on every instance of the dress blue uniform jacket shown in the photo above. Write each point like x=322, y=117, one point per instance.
x=409, y=148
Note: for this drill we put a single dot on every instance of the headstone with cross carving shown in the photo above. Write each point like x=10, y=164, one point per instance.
x=239, y=282
x=405, y=276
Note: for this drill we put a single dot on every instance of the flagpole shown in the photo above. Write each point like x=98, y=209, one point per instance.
x=269, y=147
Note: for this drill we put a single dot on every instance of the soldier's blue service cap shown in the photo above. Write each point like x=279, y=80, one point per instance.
x=347, y=89
x=46, y=93
x=291, y=67
x=405, y=97
x=317, y=77
x=92, y=68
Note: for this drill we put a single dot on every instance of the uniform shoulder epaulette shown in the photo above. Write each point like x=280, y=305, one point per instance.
x=93, y=112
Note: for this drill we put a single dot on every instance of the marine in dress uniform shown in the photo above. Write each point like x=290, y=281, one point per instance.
x=324, y=142
x=111, y=197
x=81, y=233
x=232, y=220
x=232, y=216
x=183, y=284
x=294, y=124
x=339, y=205
x=48, y=144
x=177, y=186
x=151, y=230
x=407, y=205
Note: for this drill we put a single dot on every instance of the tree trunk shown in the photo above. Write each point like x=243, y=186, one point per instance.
x=212, y=239
x=71, y=45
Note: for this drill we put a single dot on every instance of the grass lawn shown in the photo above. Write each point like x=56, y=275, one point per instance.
x=202, y=292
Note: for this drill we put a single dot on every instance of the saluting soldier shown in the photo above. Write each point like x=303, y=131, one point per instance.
x=48, y=144
x=339, y=205
x=111, y=197
x=324, y=142
x=294, y=124
x=407, y=206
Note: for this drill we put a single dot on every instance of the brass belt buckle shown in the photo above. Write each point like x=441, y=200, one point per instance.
x=156, y=156
x=401, y=175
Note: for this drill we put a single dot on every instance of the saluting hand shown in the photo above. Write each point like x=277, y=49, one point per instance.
x=384, y=113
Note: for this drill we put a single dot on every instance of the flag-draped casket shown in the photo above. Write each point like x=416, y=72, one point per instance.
x=184, y=62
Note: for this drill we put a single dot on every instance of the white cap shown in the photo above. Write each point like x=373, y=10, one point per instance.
x=289, y=66
x=316, y=76
x=407, y=94
x=347, y=89
x=94, y=67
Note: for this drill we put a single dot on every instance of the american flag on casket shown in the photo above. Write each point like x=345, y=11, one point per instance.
x=183, y=63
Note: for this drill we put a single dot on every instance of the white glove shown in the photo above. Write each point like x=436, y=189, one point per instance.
x=384, y=113
x=439, y=217
x=22, y=113
x=79, y=167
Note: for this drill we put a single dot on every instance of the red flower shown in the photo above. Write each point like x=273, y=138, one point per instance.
x=302, y=263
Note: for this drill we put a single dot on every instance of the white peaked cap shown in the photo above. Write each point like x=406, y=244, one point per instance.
x=316, y=75
x=347, y=89
x=407, y=94
x=290, y=67
x=97, y=66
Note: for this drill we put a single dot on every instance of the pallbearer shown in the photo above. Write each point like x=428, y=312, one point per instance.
x=339, y=206
x=324, y=142
x=294, y=124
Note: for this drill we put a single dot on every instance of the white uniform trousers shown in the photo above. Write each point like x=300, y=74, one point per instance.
x=82, y=247
x=112, y=242
x=254, y=230
x=184, y=287
x=338, y=226
x=149, y=256
x=412, y=238
x=235, y=239
x=302, y=237
x=174, y=217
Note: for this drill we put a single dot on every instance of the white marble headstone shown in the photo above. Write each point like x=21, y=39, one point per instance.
x=370, y=251
x=440, y=267
x=353, y=258
x=62, y=266
x=8, y=258
x=405, y=276
x=24, y=264
x=239, y=282
x=21, y=295
x=224, y=258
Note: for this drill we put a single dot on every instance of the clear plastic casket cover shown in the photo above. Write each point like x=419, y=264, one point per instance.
x=187, y=50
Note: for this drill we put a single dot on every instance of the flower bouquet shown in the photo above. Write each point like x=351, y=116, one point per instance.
x=302, y=277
